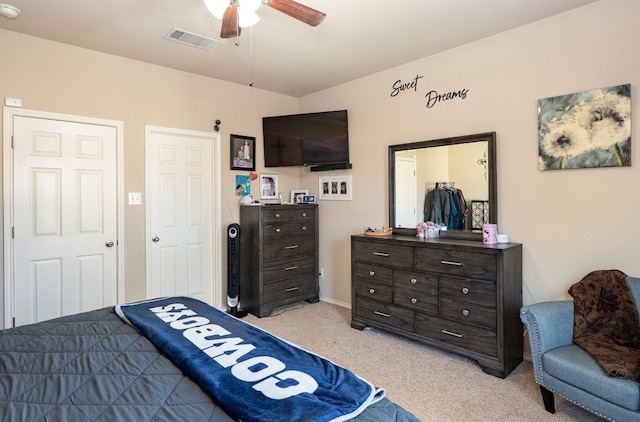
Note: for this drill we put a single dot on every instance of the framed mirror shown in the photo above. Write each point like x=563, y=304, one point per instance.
x=463, y=165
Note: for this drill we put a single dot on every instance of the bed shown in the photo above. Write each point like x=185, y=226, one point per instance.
x=97, y=366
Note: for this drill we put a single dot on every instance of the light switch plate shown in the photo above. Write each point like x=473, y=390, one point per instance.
x=135, y=198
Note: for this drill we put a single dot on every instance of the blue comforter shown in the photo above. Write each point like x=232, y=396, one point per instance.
x=255, y=375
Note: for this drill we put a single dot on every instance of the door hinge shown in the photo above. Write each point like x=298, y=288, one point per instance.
x=14, y=322
x=13, y=232
x=12, y=139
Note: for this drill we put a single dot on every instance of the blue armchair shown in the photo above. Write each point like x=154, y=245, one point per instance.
x=561, y=367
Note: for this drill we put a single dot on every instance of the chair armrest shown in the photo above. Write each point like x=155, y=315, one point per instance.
x=550, y=324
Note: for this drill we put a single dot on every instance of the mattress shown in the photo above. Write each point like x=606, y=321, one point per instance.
x=93, y=366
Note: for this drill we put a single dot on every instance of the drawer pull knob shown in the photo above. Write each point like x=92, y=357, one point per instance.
x=414, y=300
x=277, y=215
x=292, y=289
x=278, y=230
x=386, y=255
x=304, y=228
x=382, y=314
x=372, y=273
x=458, y=264
x=304, y=214
x=291, y=268
x=372, y=291
x=414, y=281
x=465, y=312
x=465, y=290
x=450, y=333
x=291, y=247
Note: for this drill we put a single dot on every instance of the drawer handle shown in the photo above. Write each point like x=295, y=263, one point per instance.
x=295, y=267
x=465, y=312
x=372, y=273
x=458, y=264
x=278, y=230
x=386, y=255
x=304, y=228
x=414, y=300
x=372, y=291
x=304, y=214
x=450, y=333
x=277, y=215
x=292, y=289
x=465, y=290
x=382, y=314
x=291, y=247
x=414, y=281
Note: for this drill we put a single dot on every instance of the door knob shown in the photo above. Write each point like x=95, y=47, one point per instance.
x=155, y=239
x=109, y=244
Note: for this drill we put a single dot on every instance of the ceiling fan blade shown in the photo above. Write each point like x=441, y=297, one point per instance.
x=298, y=11
x=230, y=26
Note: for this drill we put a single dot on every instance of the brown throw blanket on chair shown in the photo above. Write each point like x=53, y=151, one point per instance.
x=606, y=322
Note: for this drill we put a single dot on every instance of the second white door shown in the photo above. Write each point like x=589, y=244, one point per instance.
x=180, y=213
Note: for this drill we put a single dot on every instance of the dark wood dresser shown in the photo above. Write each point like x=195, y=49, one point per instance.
x=278, y=256
x=457, y=295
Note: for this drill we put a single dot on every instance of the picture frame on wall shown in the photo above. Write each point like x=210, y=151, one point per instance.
x=268, y=186
x=297, y=195
x=242, y=152
x=335, y=188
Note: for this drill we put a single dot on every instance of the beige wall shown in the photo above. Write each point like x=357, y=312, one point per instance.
x=569, y=222
x=57, y=78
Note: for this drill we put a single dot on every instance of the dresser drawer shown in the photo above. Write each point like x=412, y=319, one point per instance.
x=367, y=272
x=465, y=336
x=283, y=270
x=371, y=289
x=288, y=290
x=385, y=313
x=288, y=248
x=468, y=291
x=416, y=290
x=302, y=214
x=379, y=253
x=271, y=215
x=458, y=263
x=275, y=230
x=468, y=313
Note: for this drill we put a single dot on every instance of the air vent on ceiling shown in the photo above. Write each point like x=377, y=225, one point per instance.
x=189, y=38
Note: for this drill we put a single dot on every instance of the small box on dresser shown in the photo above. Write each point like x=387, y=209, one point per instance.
x=278, y=256
x=458, y=295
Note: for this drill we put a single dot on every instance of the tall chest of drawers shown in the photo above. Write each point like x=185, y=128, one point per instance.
x=278, y=256
x=457, y=295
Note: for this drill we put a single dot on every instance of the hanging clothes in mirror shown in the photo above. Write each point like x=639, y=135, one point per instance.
x=445, y=204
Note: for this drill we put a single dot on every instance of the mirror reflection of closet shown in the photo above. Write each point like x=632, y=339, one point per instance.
x=466, y=163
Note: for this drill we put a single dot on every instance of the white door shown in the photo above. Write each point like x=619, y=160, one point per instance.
x=180, y=214
x=406, y=193
x=64, y=218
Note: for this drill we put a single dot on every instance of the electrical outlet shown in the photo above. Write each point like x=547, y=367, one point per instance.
x=321, y=272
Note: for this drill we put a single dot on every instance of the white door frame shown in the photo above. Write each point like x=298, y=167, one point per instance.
x=216, y=231
x=7, y=162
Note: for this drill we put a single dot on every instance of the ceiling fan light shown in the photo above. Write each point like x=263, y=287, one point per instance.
x=247, y=18
x=249, y=5
x=217, y=7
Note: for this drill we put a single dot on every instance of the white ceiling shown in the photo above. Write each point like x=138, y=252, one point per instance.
x=280, y=54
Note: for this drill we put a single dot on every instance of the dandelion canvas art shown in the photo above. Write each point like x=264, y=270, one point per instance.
x=585, y=129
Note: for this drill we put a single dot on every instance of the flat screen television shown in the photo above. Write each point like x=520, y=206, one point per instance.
x=310, y=139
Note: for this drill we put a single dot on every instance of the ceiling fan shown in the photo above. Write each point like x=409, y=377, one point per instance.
x=237, y=14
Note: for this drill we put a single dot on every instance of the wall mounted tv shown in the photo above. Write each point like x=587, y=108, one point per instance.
x=319, y=140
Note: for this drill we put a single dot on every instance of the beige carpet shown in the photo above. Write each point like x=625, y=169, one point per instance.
x=433, y=385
